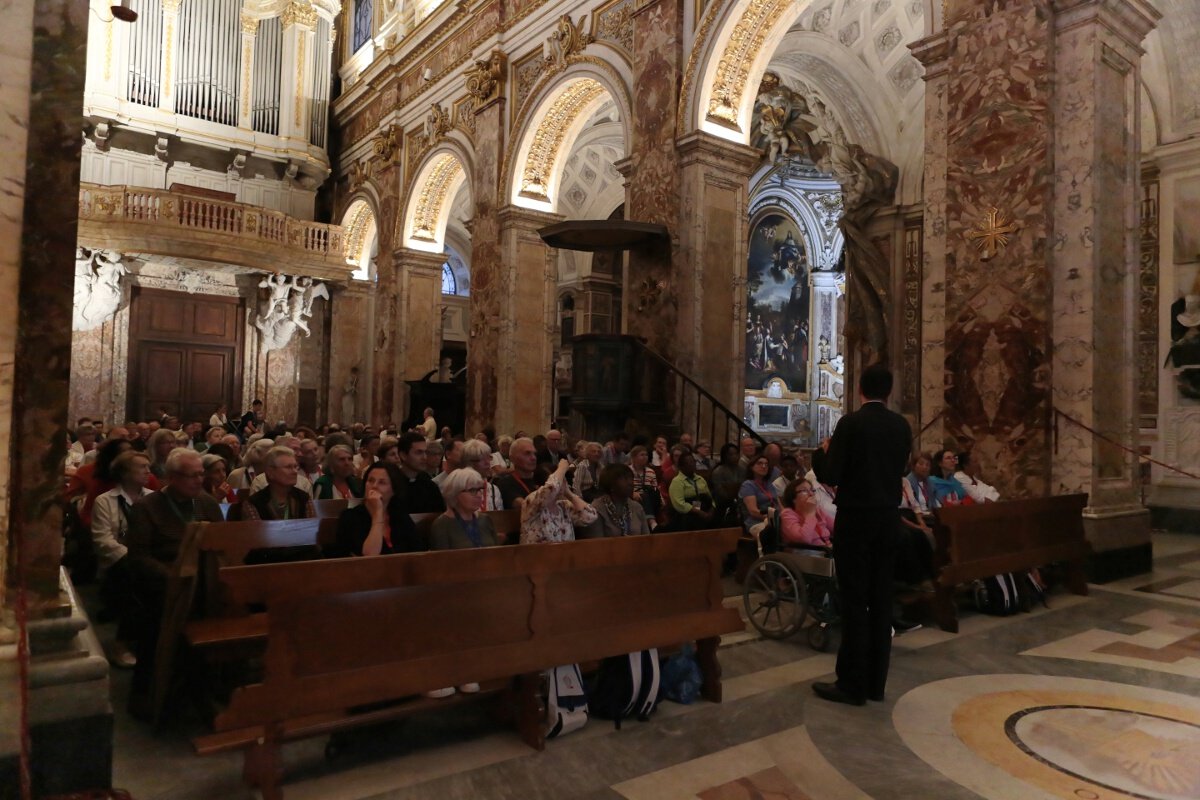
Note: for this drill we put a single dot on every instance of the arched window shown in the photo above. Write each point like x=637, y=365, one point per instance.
x=449, y=281
x=362, y=22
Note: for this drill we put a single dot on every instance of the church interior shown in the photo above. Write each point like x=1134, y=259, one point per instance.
x=355, y=236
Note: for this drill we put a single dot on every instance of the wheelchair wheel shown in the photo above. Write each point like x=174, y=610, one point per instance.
x=774, y=598
x=818, y=637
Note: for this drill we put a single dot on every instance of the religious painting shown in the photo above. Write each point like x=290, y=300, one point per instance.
x=1184, y=353
x=777, y=307
x=1187, y=220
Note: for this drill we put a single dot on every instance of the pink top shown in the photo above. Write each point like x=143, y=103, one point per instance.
x=815, y=529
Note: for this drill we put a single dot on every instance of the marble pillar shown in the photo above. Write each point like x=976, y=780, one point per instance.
x=42, y=363
x=526, y=346
x=350, y=341
x=1031, y=251
x=384, y=390
x=420, y=346
x=709, y=276
x=652, y=188
x=1095, y=260
x=933, y=52
x=487, y=269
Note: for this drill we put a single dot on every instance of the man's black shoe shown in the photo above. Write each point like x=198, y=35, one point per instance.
x=903, y=626
x=833, y=693
x=878, y=698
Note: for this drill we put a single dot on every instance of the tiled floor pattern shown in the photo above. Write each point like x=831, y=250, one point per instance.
x=1124, y=663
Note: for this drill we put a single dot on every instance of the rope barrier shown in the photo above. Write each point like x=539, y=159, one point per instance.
x=929, y=424
x=1120, y=446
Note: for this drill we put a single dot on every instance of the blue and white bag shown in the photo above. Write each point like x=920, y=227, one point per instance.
x=567, y=703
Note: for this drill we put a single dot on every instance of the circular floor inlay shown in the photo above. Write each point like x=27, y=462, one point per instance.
x=1128, y=751
x=1018, y=737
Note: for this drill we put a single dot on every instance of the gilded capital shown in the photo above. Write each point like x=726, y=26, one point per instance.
x=299, y=12
x=485, y=79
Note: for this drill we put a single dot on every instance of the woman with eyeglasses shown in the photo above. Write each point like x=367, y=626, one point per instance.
x=462, y=526
x=946, y=490
x=802, y=522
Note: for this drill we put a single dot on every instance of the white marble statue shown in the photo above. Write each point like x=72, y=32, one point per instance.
x=288, y=306
x=97, y=287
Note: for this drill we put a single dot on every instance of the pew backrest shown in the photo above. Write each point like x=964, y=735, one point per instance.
x=348, y=632
x=329, y=509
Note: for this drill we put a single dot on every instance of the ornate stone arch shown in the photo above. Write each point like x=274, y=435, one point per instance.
x=734, y=42
x=361, y=223
x=422, y=225
x=548, y=124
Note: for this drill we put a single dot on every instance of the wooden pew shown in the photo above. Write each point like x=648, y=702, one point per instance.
x=351, y=633
x=330, y=509
x=978, y=541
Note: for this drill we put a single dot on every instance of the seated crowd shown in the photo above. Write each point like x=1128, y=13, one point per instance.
x=135, y=488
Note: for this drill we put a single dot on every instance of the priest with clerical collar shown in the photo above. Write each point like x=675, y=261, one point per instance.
x=418, y=492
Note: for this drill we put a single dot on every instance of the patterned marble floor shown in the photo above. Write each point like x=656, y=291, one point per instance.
x=1093, y=697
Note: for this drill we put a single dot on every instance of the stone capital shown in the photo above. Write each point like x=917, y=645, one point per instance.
x=933, y=52
x=1129, y=20
x=418, y=260
x=704, y=148
x=526, y=219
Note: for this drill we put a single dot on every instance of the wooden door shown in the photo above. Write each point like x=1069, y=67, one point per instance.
x=185, y=354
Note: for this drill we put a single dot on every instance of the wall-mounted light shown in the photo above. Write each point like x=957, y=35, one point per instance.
x=427, y=75
x=122, y=11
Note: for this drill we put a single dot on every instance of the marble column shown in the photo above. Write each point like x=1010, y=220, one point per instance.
x=1030, y=262
x=487, y=268
x=1094, y=261
x=350, y=342
x=652, y=188
x=420, y=324
x=933, y=53
x=708, y=281
x=386, y=400
x=526, y=343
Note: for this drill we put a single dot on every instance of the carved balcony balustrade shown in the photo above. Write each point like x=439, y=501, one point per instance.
x=184, y=226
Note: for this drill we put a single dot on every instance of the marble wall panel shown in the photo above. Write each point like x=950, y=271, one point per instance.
x=997, y=348
x=526, y=376
x=281, y=383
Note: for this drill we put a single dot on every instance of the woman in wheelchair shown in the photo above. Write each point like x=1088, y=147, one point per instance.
x=802, y=523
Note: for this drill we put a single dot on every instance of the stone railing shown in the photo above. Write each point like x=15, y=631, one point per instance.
x=165, y=223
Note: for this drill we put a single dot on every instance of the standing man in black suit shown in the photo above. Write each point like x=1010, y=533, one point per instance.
x=866, y=461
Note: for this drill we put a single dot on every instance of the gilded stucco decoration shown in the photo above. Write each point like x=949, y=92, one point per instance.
x=359, y=220
x=612, y=23
x=299, y=12
x=738, y=57
x=386, y=145
x=437, y=124
x=485, y=79
x=551, y=131
x=568, y=39
x=445, y=171
x=360, y=173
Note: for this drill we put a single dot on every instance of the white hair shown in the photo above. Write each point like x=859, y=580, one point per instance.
x=475, y=450
x=459, y=481
x=257, y=451
x=276, y=453
x=176, y=457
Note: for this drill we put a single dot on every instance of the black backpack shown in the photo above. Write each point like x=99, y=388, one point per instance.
x=998, y=595
x=626, y=686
